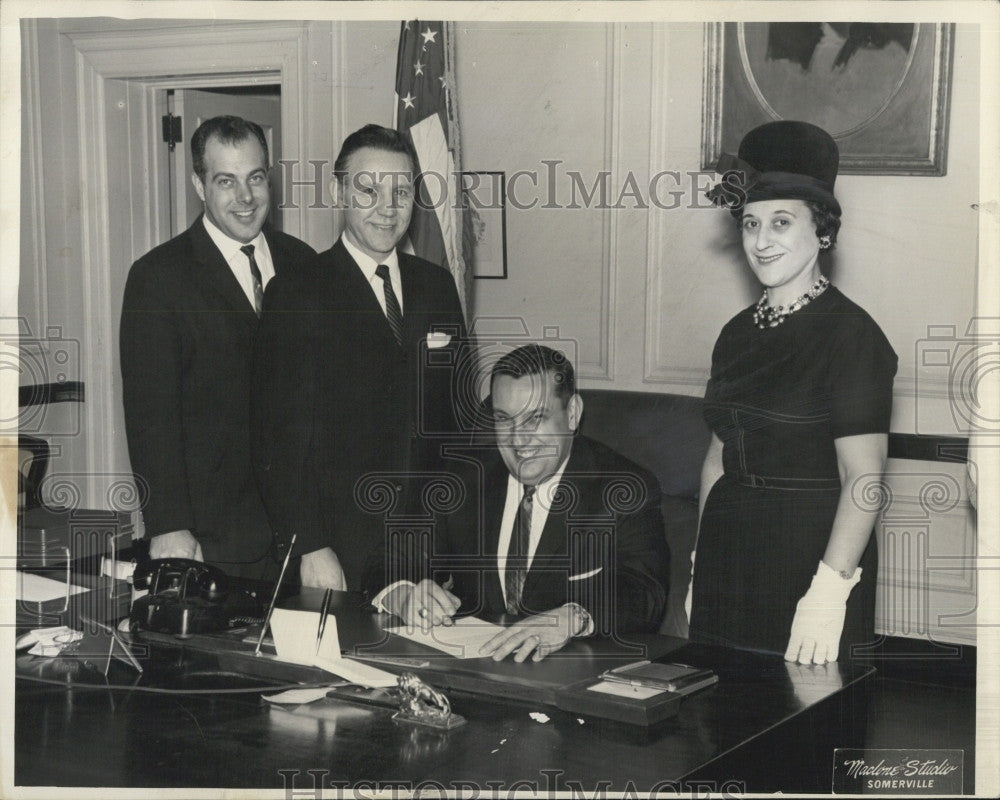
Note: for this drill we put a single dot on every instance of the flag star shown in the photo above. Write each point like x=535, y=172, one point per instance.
x=444, y=83
x=408, y=101
x=429, y=36
x=418, y=68
x=406, y=25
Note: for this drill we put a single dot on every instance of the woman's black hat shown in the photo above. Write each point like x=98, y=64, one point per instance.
x=776, y=161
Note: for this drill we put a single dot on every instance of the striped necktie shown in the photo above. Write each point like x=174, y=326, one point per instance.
x=258, y=282
x=517, y=552
x=393, y=313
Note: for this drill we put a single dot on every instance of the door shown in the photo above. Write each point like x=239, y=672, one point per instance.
x=194, y=106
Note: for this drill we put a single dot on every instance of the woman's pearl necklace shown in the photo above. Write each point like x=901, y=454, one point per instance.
x=767, y=316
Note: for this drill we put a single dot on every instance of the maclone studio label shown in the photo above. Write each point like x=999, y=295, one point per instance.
x=897, y=772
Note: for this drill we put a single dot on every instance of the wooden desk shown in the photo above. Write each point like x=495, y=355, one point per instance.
x=766, y=726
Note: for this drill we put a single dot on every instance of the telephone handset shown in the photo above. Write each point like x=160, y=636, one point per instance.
x=187, y=597
x=185, y=576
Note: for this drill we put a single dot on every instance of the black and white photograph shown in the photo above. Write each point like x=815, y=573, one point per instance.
x=499, y=399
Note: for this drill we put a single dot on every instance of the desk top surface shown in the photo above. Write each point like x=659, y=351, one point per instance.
x=77, y=732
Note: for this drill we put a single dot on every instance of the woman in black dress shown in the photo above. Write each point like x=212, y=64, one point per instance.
x=799, y=402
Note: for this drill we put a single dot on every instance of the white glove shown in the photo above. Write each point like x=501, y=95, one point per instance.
x=819, y=617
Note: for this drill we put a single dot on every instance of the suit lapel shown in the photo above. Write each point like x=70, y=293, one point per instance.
x=279, y=254
x=412, y=302
x=553, y=541
x=553, y=549
x=214, y=274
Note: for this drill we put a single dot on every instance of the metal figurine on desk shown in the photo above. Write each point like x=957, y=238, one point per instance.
x=421, y=704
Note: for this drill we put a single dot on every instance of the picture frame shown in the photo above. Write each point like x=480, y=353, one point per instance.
x=484, y=197
x=882, y=90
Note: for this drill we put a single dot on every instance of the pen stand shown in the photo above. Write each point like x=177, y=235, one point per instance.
x=421, y=704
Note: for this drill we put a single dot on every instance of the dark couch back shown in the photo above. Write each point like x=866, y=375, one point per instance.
x=667, y=434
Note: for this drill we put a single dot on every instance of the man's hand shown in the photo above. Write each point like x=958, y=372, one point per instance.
x=542, y=633
x=423, y=605
x=176, y=544
x=321, y=569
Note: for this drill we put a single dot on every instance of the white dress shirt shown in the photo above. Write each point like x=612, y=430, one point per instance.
x=368, y=266
x=540, y=505
x=238, y=261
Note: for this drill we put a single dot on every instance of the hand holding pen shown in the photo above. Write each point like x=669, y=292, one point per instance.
x=425, y=604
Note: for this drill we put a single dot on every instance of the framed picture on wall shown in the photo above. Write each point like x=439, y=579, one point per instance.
x=485, y=195
x=880, y=89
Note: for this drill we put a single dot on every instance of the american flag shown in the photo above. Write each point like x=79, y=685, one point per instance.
x=425, y=109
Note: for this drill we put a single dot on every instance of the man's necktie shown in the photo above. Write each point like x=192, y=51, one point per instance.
x=258, y=282
x=517, y=552
x=392, y=310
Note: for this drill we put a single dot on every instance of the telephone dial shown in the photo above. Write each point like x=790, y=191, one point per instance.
x=188, y=597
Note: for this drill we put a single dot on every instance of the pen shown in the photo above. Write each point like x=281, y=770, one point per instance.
x=323, y=614
x=274, y=598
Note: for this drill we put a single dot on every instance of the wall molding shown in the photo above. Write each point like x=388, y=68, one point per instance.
x=34, y=182
x=603, y=368
x=95, y=255
x=654, y=371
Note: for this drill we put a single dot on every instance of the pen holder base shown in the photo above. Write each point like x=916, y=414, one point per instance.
x=439, y=724
x=421, y=704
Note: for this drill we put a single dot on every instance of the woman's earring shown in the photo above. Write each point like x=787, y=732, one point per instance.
x=825, y=243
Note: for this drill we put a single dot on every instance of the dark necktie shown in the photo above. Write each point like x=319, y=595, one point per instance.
x=393, y=313
x=258, y=282
x=517, y=552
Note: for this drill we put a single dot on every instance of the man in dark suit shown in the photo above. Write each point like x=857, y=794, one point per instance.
x=571, y=540
x=189, y=317
x=355, y=372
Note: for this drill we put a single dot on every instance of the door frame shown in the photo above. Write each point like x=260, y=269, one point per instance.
x=156, y=107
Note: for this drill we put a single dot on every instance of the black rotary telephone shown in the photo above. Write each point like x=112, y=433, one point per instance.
x=188, y=597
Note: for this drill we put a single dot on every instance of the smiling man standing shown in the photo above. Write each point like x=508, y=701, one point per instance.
x=357, y=364
x=189, y=316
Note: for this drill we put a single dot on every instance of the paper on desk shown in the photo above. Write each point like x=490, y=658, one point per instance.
x=356, y=672
x=39, y=589
x=625, y=690
x=294, y=635
x=299, y=696
x=295, y=632
x=461, y=640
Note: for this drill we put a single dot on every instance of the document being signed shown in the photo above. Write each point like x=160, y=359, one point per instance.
x=461, y=640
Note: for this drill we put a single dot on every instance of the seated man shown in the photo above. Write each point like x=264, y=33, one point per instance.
x=565, y=535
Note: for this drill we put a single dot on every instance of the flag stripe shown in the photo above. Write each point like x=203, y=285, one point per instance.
x=424, y=109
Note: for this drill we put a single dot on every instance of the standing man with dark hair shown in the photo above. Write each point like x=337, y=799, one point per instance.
x=189, y=317
x=347, y=382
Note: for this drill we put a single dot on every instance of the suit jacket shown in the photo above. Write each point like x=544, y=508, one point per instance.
x=603, y=544
x=186, y=342
x=338, y=399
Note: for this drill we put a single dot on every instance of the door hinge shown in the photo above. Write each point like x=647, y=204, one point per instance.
x=172, y=130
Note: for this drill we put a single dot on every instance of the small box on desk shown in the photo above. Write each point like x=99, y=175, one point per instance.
x=641, y=693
